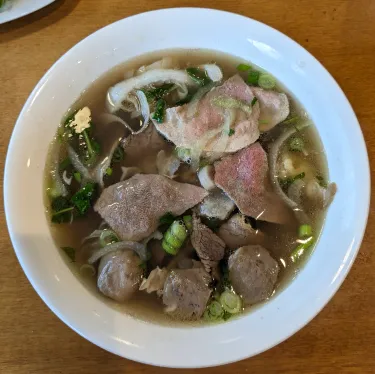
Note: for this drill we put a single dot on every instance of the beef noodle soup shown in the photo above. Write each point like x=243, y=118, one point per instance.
x=186, y=185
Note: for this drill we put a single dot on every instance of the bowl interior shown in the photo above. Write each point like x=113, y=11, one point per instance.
x=281, y=316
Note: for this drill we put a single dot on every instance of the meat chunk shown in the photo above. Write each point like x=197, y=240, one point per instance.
x=132, y=208
x=119, y=274
x=186, y=293
x=209, y=247
x=244, y=177
x=216, y=205
x=202, y=127
x=274, y=108
x=236, y=233
x=253, y=273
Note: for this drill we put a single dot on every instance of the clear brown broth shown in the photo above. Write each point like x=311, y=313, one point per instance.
x=280, y=239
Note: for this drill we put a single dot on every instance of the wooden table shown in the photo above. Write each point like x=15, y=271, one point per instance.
x=341, y=34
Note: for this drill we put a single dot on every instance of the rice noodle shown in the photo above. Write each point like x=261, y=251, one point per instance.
x=139, y=248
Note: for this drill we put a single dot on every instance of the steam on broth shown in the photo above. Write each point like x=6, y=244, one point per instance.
x=186, y=185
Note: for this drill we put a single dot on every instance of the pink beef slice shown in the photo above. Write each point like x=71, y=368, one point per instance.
x=205, y=125
x=132, y=208
x=244, y=177
x=274, y=108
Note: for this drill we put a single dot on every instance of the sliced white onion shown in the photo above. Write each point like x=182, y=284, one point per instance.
x=101, y=168
x=206, y=177
x=77, y=164
x=139, y=248
x=94, y=235
x=67, y=180
x=107, y=118
x=145, y=108
x=120, y=92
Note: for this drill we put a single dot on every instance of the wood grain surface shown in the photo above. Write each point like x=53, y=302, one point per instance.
x=341, y=34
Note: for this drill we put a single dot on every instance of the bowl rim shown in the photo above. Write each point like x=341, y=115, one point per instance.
x=221, y=360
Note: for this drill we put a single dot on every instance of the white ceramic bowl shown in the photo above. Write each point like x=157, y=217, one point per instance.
x=284, y=314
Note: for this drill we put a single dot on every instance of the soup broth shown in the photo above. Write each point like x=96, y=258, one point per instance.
x=300, y=166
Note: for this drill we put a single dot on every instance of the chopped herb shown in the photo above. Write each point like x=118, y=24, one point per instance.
x=109, y=171
x=70, y=252
x=243, y=67
x=231, y=132
x=118, y=154
x=286, y=182
x=199, y=76
x=65, y=163
x=322, y=182
x=168, y=218
x=254, y=101
x=185, y=100
x=83, y=198
x=253, y=77
x=158, y=92
x=62, y=210
x=91, y=148
x=159, y=111
x=77, y=177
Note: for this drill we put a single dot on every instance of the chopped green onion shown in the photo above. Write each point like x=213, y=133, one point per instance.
x=159, y=111
x=198, y=76
x=188, y=221
x=77, y=177
x=304, y=231
x=231, y=302
x=109, y=171
x=118, y=154
x=266, y=81
x=253, y=77
x=63, y=215
x=70, y=252
x=108, y=237
x=174, y=237
x=214, y=312
x=296, y=144
x=301, y=249
x=243, y=67
x=254, y=101
x=231, y=132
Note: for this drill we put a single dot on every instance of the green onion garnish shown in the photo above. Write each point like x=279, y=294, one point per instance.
x=254, y=101
x=214, y=312
x=77, y=177
x=253, y=77
x=188, y=221
x=159, y=111
x=231, y=302
x=231, y=132
x=266, y=81
x=109, y=171
x=198, y=76
x=301, y=249
x=322, y=182
x=243, y=67
x=304, y=231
